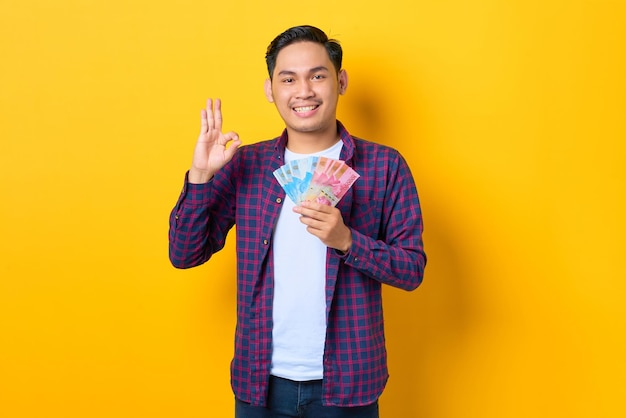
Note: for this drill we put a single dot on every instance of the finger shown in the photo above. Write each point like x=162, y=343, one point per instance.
x=209, y=113
x=309, y=213
x=318, y=207
x=232, y=149
x=314, y=210
x=203, y=122
x=311, y=222
x=218, y=115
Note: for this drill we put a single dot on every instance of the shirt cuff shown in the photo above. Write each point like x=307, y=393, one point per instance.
x=357, y=253
x=196, y=193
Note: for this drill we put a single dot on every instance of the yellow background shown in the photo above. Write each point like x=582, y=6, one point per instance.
x=511, y=115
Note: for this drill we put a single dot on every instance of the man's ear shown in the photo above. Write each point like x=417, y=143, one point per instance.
x=268, y=91
x=343, y=81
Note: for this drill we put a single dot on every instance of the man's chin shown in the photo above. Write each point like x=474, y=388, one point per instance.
x=307, y=127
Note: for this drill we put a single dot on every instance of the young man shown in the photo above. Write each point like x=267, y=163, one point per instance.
x=309, y=340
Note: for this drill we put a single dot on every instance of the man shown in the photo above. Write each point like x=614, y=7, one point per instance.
x=309, y=340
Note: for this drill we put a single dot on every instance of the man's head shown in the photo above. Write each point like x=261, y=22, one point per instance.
x=303, y=34
x=305, y=83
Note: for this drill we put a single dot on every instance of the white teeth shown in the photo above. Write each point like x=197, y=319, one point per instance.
x=304, y=108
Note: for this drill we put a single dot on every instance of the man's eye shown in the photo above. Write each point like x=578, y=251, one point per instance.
x=288, y=80
x=318, y=77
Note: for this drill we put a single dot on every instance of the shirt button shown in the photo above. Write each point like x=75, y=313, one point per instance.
x=265, y=241
x=278, y=200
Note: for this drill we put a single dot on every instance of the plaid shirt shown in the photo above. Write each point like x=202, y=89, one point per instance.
x=382, y=210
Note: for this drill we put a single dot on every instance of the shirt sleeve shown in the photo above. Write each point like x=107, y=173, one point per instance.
x=200, y=221
x=396, y=257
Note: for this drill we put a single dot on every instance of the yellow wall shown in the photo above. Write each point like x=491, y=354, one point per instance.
x=510, y=113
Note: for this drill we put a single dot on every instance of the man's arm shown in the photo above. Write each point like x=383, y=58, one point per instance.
x=396, y=257
x=203, y=215
x=199, y=223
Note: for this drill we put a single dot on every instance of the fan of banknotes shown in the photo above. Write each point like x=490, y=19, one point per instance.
x=319, y=179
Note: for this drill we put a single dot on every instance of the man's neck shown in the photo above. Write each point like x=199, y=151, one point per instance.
x=309, y=143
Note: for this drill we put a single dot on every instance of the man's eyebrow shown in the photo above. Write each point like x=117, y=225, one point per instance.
x=312, y=70
x=317, y=69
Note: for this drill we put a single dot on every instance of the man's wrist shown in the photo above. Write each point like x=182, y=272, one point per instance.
x=198, y=176
x=347, y=247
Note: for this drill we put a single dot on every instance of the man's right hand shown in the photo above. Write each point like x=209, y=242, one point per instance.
x=211, y=152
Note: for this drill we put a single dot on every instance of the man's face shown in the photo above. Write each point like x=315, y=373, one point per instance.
x=305, y=88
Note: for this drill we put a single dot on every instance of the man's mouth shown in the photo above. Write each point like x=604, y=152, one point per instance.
x=302, y=109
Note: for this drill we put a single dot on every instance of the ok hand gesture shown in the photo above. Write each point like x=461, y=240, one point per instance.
x=211, y=152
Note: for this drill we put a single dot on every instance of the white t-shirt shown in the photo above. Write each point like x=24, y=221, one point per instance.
x=299, y=331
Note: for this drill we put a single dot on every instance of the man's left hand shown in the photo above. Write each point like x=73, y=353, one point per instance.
x=326, y=223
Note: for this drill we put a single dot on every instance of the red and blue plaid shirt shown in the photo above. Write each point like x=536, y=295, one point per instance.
x=383, y=211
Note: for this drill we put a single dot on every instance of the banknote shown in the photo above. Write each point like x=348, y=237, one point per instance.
x=319, y=179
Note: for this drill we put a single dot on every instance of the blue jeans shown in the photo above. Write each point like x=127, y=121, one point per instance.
x=289, y=399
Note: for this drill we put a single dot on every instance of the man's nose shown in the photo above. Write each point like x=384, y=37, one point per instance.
x=305, y=89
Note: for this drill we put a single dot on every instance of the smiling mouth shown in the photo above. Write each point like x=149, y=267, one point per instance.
x=303, y=109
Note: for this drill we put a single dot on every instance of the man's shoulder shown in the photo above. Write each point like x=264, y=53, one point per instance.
x=367, y=147
x=369, y=143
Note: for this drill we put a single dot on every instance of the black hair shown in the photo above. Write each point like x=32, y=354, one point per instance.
x=303, y=34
